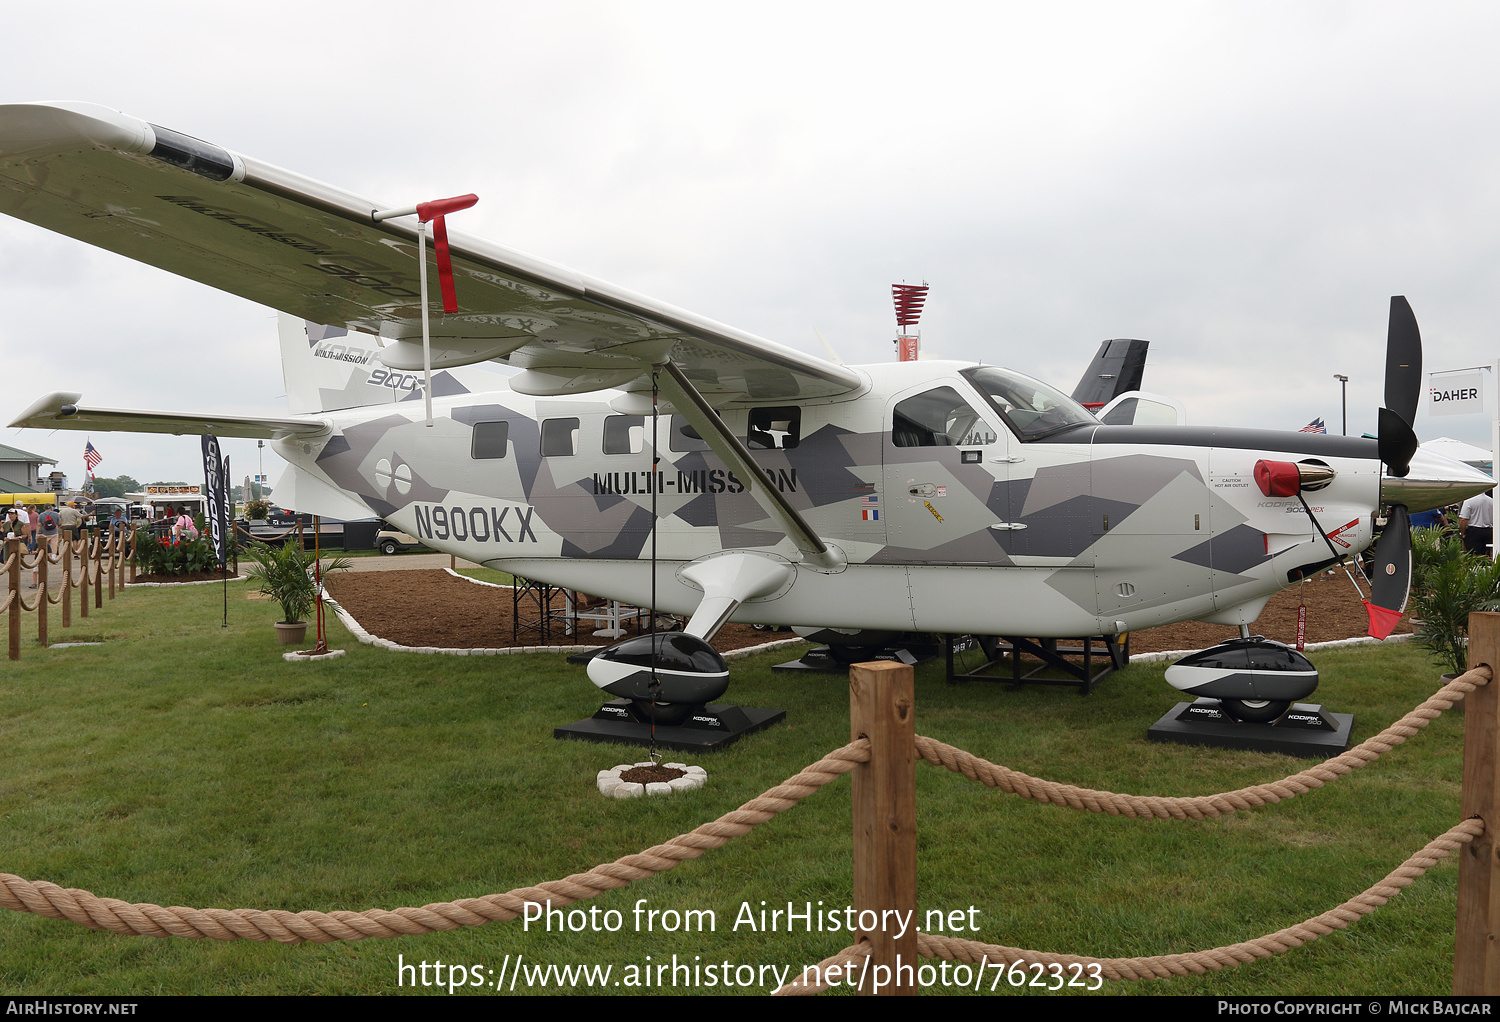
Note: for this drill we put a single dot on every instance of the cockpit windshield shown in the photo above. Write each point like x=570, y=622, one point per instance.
x=1033, y=410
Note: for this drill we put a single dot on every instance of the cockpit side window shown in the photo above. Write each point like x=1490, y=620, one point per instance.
x=1032, y=409
x=939, y=418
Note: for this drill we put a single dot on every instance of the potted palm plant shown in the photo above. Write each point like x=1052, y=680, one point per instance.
x=285, y=574
x=1447, y=592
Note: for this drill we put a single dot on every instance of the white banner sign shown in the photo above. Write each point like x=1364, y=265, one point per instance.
x=1456, y=393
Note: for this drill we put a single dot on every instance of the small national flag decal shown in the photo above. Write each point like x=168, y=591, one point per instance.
x=869, y=508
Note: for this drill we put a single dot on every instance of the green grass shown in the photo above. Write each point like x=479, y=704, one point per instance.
x=183, y=763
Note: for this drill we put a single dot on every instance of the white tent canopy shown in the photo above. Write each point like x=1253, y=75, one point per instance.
x=1460, y=451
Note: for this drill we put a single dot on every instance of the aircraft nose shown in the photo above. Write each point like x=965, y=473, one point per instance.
x=1433, y=481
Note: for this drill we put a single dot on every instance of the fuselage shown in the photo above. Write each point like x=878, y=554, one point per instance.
x=951, y=521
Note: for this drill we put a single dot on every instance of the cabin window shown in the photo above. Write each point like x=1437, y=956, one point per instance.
x=559, y=438
x=774, y=429
x=683, y=437
x=624, y=434
x=939, y=418
x=490, y=440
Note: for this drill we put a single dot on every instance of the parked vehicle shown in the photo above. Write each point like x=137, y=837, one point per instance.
x=391, y=541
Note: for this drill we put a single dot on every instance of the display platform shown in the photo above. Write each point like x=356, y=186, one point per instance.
x=1305, y=730
x=1083, y=662
x=836, y=660
x=710, y=727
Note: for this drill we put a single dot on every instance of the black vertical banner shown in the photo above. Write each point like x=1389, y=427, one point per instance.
x=213, y=480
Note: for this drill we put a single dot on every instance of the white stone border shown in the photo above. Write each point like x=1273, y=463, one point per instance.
x=610, y=785
x=174, y=585
x=1363, y=640
x=359, y=632
x=478, y=582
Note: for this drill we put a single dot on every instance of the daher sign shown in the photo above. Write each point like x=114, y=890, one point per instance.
x=1460, y=392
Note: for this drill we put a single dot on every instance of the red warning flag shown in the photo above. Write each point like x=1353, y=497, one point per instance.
x=434, y=211
x=1383, y=620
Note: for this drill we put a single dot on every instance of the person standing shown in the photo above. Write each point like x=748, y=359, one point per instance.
x=70, y=521
x=31, y=520
x=47, y=538
x=1476, y=523
x=1434, y=519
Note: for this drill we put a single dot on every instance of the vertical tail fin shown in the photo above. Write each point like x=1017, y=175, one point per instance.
x=327, y=368
x=1116, y=369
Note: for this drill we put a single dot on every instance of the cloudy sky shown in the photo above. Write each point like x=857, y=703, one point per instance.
x=1245, y=185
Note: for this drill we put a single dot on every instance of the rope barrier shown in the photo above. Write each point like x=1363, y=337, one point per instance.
x=932, y=945
x=1202, y=806
x=147, y=920
x=250, y=535
x=1197, y=962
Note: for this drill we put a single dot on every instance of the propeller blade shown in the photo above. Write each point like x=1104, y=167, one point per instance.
x=1392, y=582
x=1398, y=442
x=1403, y=388
x=1403, y=361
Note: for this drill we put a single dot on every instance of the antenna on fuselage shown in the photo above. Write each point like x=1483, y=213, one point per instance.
x=909, y=300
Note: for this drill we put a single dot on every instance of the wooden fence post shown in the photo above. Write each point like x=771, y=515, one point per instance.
x=98, y=545
x=66, y=593
x=133, y=531
x=83, y=575
x=1476, y=953
x=13, y=582
x=43, y=548
x=110, y=543
x=882, y=708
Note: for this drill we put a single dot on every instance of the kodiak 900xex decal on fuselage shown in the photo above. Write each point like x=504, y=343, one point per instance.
x=781, y=488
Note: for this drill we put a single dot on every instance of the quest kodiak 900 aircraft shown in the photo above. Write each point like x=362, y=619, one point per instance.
x=787, y=489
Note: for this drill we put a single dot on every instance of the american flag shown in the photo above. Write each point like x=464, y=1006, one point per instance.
x=869, y=508
x=91, y=457
x=1315, y=426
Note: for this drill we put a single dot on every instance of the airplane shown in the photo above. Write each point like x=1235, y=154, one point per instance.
x=651, y=455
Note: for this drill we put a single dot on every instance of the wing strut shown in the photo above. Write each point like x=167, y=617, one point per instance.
x=817, y=553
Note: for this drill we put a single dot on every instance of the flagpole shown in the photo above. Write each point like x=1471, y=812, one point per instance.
x=1494, y=450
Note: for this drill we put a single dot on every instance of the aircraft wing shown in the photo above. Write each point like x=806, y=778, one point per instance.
x=62, y=411
x=314, y=251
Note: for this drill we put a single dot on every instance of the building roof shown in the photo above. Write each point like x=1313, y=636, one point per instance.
x=8, y=453
x=11, y=486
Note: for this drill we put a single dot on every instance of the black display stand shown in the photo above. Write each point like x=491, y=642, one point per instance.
x=705, y=729
x=530, y=597
x=1075, y=658
x=836, y=659
x=1305, y=730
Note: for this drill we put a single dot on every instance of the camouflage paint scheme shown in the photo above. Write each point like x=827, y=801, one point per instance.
x=1118, y=535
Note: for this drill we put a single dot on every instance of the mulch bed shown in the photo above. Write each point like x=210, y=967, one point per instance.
x=432, y=608
x=1333, y=612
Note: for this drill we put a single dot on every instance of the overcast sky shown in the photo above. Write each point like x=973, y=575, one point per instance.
x=1245, y=185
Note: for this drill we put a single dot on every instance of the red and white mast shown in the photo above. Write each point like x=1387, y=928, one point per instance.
x=909, y=300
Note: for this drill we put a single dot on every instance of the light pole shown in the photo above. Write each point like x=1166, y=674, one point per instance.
x=1344, y=398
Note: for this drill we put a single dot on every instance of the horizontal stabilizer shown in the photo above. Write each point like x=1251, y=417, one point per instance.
x=62, y=411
